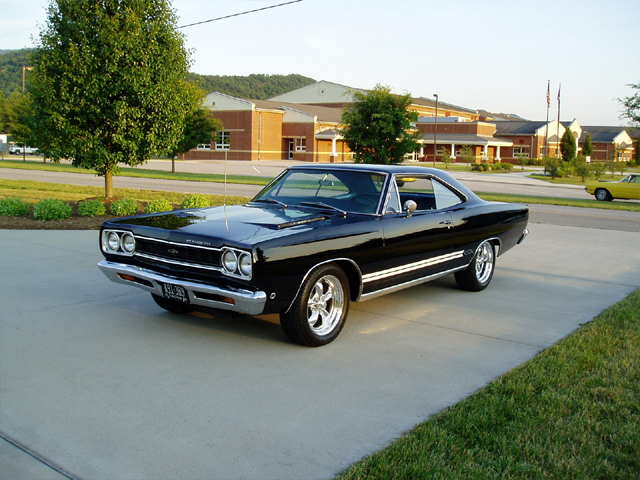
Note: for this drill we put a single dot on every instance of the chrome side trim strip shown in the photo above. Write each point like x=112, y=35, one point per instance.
x=412, y=283
x=244, y=301
x=391, y=272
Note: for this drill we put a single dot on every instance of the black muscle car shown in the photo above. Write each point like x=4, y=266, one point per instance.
x=315, y=239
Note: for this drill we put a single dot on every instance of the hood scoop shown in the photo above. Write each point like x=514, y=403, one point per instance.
x=304, y=221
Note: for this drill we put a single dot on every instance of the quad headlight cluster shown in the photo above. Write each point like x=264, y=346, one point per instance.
x=118, y=242
x=237, y=263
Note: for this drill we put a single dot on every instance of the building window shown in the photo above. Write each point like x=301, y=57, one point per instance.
x=301, y=144
x=204, y=146
x=523, y=152
x=222, y=141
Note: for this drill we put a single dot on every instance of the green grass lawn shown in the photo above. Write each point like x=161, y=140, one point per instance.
x=32, y=192
x=138, y=173
x=572, y=412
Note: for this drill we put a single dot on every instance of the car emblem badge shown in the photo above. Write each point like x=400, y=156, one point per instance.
x=173, y=251
x=468, y=253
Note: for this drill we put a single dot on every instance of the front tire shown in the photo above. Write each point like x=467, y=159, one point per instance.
x=603, y=195
x=172, y=306
x=318, y=313
x=478, y=274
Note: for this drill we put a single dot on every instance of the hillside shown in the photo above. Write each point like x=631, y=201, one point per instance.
x=256, y=86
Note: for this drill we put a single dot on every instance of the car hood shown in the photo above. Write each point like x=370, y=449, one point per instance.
x=238, y=224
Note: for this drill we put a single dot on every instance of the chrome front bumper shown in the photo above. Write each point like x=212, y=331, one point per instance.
x=233, y=299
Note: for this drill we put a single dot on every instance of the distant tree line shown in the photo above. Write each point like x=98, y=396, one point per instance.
x=254, y=86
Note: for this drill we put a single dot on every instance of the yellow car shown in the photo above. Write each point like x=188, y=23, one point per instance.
x=627, y=188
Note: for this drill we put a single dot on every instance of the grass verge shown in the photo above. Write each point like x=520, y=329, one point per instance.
x=138, y=173
x=32, y=192
x=572, y=412
x=565, y=202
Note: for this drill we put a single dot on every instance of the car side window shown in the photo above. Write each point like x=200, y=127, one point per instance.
x=445, y=197
x=428, y=193
x=393, y=202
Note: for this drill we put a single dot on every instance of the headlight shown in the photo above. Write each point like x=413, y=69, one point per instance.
x=230, y=261
x=118, y=242
x=113, y=241
x=245, y=264
x=128, y=243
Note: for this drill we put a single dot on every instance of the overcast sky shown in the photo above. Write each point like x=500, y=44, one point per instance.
x=481, y=54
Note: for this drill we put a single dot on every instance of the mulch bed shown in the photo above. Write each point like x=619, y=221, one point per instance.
x=74, y=222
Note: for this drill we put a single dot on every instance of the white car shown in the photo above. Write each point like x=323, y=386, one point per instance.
x=17, y=150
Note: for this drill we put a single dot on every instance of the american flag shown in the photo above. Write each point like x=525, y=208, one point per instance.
x=548, y=94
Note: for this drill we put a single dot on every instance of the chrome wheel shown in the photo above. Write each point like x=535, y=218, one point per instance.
x=320, y=309
x=602, y=194
x=478, y=274
x=484, y=262
x=325, y=305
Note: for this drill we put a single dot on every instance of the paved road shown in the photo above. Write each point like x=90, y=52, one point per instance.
x=513, y=182
x=102, y=384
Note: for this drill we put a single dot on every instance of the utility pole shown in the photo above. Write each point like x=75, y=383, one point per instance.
x=435, y=134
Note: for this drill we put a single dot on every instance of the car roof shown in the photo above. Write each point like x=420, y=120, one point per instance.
x=388, y=169
x=368, y=167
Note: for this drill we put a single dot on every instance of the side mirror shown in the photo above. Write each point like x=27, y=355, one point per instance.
x=410, y=207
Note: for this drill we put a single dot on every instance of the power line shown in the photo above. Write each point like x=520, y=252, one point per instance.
x=238, y=14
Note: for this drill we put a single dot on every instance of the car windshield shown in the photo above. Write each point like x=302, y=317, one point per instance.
x=335, y=190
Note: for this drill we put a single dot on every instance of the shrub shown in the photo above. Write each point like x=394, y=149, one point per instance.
x=14, y=207
x=51, y=209
x=581, y=168
x=91, y=208
x=598, y=169
x=196, y=201
x=552, y=166
x=480, y=167
x=158, y=205
x=502, y=166
x=124, y=207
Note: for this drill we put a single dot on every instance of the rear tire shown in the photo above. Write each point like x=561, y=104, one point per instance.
x=478, y=274
x=172, y=306
x=318, y=313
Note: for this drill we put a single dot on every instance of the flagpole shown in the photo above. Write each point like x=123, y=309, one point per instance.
x=558, y=126
x=546, y=128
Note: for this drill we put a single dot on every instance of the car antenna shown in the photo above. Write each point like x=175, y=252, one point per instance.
x=224, y=201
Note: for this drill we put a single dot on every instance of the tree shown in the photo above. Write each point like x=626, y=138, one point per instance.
x=377, y=126
x=109, y=83
x=568, y=146
x=587, y=148
x=200, y=127
x=631, y=106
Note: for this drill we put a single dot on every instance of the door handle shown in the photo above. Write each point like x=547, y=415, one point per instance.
x=448, y=223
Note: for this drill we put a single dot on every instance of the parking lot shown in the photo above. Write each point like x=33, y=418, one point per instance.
x=103, y=384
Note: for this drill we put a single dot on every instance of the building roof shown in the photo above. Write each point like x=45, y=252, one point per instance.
x=601, y=134
x=466, y=139
x=518, y=127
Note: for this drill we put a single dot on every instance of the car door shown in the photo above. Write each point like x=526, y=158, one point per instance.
x=418, y=244
x=628, y=187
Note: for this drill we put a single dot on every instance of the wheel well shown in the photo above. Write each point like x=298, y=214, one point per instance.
x=354, y=276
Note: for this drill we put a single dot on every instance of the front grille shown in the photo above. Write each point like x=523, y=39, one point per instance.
x=178, y=252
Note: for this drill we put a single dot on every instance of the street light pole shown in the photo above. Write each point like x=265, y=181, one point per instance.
x=435, y=134
x=23, y=70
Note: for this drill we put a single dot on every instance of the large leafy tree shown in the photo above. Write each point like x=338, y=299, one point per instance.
x=568, y=146
x=631, y=106
x=377, y=126
x=200, y=127
x=109, y=83
x=587, y=148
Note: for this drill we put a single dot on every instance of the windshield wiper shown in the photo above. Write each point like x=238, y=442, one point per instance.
x=269, y=200
x=325, y=206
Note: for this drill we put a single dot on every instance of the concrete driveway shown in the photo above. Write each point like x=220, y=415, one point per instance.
x=103, y=384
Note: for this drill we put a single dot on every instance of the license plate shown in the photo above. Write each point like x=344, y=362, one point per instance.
x=175, y=292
